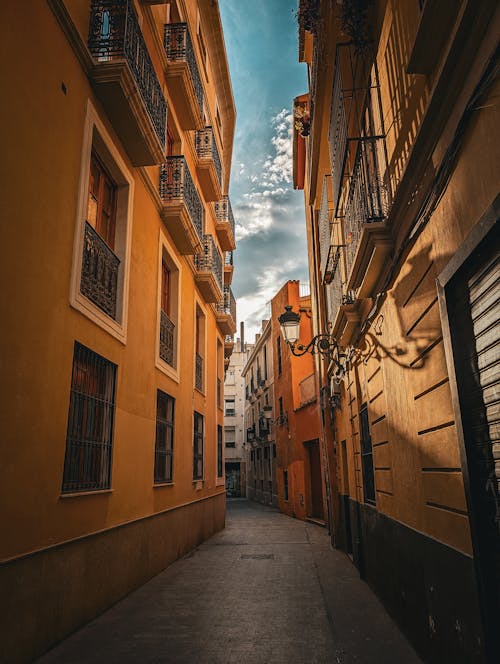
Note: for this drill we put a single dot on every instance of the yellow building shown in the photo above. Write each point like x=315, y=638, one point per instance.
x=396, y=148
x=117, y=129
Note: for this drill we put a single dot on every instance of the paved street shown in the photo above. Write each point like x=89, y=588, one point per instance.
x=268, y=589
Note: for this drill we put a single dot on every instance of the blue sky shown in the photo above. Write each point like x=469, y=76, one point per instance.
x=262, y=48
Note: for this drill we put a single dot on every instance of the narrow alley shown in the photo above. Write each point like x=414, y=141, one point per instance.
x=268, y=588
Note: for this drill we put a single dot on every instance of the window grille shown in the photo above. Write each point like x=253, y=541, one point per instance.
x=89, y=438
x=164, y=444
x=198, y=447
x=366, y=456
x=220, y=471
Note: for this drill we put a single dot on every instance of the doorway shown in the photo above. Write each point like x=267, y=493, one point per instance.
x=315, y=480
x=472, y=296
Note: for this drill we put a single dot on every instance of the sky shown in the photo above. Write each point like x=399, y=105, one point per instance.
x=262, y=47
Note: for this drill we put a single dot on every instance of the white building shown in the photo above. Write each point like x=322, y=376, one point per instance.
x=234, y=416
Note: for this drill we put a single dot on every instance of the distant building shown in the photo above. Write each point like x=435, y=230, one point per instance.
x=116, y=302
x=258, y=374
x=235, y=462
x=396, y=147
x=300, y=452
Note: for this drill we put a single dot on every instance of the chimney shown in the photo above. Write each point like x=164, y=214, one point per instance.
x=242, y=337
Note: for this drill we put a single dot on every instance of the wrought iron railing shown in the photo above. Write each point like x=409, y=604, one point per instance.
x=228, y=259
x=198, y=372
x=114, y=33
x=99, y=278
x=324, y=227
x=332, y=262
x=206, y=146
x=210, y=260
x=176, y=186
x=337, y=136
x=224, y=212
x=229, y=339
x=368, y=198
x=179, y=48
x=228, y=304
x=167, y=337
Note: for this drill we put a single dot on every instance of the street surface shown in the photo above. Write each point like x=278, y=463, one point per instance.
x=268, y=589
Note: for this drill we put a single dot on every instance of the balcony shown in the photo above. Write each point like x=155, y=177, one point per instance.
x=208, y=168
x=125, y=80
x=182, y=210
x=183, y=76
x=100, y=266
x=368, y=240
x=208, y=275
x=226, y=312
x=228, y=268
x=167, y=336
x=225, y=224
x=198, y=373
x=228, y=345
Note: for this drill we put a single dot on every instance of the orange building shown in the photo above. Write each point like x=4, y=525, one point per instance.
x=396, y=149
x=116, y=301
x=297, y=415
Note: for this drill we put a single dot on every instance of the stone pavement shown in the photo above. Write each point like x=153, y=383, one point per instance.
x=267, y=590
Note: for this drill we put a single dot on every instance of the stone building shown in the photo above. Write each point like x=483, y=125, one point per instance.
x=116, y=301
x=235, y=462
x=396, y=149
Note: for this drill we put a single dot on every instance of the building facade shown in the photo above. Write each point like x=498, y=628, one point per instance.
x=116, y=302
x=300, y=462
x=260, y=428
x=235, y=462
x=395, y=147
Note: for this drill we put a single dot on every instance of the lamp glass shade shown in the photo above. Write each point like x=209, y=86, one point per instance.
x=290, y=325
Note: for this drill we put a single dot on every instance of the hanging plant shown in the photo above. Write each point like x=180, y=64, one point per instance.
x=302, y=119
x=354, y=19
x=308, y=15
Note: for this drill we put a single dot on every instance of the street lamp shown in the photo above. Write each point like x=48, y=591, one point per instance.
x=324, y=344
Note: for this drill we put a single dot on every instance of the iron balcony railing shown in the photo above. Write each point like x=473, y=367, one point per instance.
x=228, y=304
x=368, y=199
x=228, y=259
x=176, y=186
x=167, y=336
x=229, y=339
x=224, y=212
x=337, y=136
x=198, y=373
x=100, y=266
x=210, y=260
x=179, y=48
x=114, y=34
x=324, y=229
x=206, y=146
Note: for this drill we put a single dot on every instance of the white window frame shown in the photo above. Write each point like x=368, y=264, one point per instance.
x=95, y=136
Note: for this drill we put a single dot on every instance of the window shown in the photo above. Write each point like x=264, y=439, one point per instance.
x=282, y=413
x=220, y=469
x=164, y=443
x=265, y=362
x=229, y=409
x=198, y=447
x=366, y=456
x=203, y=50
x=168, y=287
x=101, y=265
x=200, y=345
x=101, y=204
x=165, y=287
x=274, y=451
x=89, y=438
x=230, y=436
x=285, y=484
x=279, y=355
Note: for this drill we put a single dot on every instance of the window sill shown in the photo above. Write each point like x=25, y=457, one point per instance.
x=78, y=494
x=159, y=485
x=198, y=484
x=220, y=481
x=167, y=369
